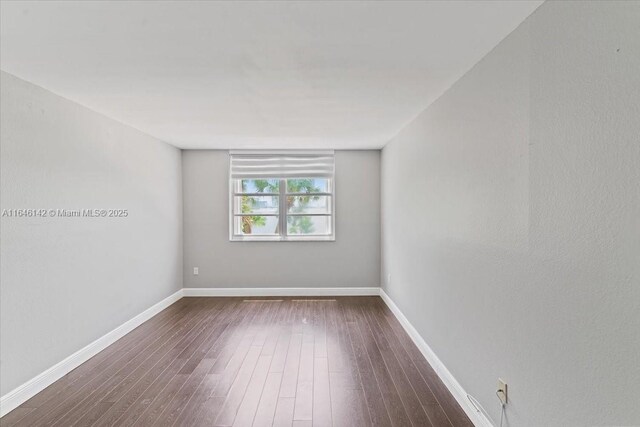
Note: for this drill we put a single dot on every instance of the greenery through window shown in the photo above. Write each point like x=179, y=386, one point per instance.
x=282, y=209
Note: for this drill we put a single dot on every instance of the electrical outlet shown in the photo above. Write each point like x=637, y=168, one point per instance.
x=195, y=271
x=388, y=278
x=502, y=391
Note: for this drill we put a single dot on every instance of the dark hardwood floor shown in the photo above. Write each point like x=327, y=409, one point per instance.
x=261, y=362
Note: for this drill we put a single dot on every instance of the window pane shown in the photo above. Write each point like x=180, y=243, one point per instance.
x=256, y=204
x=308, y=185
x=309, y=204
x=258, y=186
x=255, y=225
x=309, y=225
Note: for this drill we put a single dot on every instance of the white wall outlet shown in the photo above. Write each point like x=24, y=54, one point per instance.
x=502, y=391
x=388, y=278
x=195, y=271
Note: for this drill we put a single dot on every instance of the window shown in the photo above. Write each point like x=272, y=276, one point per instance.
x=281, y=196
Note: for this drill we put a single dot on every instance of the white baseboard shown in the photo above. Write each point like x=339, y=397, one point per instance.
x=280, y=292
x=477, y=417
x=24, y=392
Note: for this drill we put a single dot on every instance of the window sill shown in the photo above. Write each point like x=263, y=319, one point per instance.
x=282, y=239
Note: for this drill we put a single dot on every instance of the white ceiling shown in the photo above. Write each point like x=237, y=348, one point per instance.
x=254, y=74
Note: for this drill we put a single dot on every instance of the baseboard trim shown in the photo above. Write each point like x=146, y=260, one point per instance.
x=477, y=417
x=280, y=292
x=24, y=392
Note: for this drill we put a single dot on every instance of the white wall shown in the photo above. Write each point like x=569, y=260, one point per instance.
x=352, y=260
x=67, y=281
x=511, y=220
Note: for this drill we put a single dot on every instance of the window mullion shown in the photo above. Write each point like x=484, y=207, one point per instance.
x=283, y=208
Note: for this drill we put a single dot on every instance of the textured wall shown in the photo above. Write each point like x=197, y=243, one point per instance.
x=67, y=281
x=352, y=260
x=511, y=228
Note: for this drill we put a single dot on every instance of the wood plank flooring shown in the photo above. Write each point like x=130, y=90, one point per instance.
x=253, y=362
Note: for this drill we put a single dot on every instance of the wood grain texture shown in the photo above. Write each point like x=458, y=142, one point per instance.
x=257, y=362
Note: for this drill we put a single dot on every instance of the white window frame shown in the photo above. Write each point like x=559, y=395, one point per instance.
x=282, y=209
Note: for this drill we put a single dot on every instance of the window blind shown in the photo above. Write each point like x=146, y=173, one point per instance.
x=281, y=165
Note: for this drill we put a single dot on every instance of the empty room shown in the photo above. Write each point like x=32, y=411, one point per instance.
x=320, y=213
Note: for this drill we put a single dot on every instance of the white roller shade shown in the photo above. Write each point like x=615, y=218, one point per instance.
x=281, y=165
